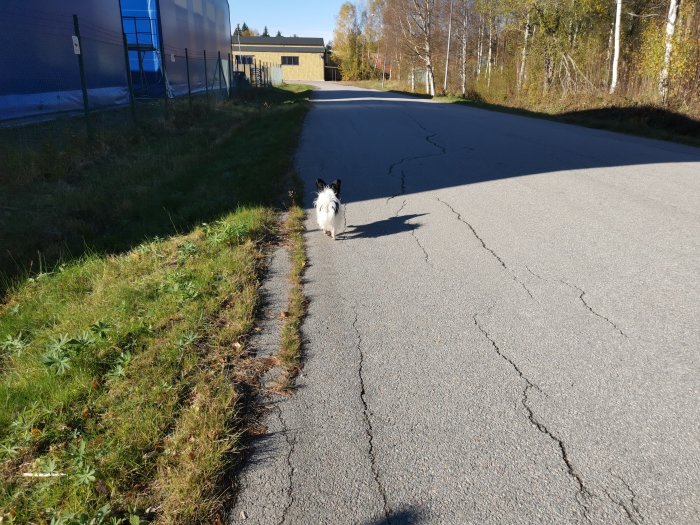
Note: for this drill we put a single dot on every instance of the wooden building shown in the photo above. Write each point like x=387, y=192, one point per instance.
x=300, y=58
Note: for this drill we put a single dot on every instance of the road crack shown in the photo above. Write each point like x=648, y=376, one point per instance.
x=581, y=296
x=485, y=247
x=583, y=495
x=425, y=252
x=426, y=256
x=368, y=422
x=429, y=139
x=291, y=443
x=630, y=506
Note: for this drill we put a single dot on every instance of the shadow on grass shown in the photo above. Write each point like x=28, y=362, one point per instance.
x=646, y=121
x=62, y=199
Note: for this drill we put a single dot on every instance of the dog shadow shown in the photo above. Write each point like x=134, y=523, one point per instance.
x=390, y=226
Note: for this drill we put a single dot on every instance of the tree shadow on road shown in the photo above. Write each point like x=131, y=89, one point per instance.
x=387, y=145
x=390, y=226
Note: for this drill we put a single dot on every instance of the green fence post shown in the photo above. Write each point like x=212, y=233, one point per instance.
x=129, y=80
x=230, y=75
x=189, y=87
x=221, y=70
x=206, y=77
x=78, y=50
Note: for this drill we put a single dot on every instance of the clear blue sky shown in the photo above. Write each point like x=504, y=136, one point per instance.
x=309, y=18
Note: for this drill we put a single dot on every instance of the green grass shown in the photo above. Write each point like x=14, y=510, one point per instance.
x=120, y=367
x=166, y=175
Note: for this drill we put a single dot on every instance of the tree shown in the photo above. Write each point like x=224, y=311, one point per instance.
x=265, y=32
x=350, y=48
x=546, y=48
x=244, y=30
x=668, y=49
x=463, y=39
x=279, y=33
x=417, y=27
x=616, y=53
x=447, y=55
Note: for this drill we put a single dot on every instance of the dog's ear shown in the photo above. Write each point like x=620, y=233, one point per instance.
x=335, y=186
x=320, y=184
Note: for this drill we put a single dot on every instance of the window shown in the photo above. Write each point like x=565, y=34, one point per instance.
x=290, y=61
x=244, y=59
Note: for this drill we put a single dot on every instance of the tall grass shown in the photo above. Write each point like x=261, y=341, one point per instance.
x=62, y=198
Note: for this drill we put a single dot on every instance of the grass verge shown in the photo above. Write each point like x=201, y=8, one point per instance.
x=290, y=338
x=62, y=198
x=121, y=370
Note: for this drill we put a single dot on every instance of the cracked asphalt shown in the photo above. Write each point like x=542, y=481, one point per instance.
x=507, y=332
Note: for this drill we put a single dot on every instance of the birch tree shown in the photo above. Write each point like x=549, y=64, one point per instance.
x=523, y=54
x=447, y=56
x=464, y=34
x=417, y=27
x=616, y=52
x=668, y=49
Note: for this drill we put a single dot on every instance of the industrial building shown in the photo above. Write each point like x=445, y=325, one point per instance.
x=50, y=50
x=300, y=58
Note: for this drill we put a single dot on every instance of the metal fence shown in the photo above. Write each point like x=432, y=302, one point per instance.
x=257, y=73
x=140, y=71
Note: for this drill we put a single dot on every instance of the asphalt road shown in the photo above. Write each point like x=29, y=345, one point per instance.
x=507, y=332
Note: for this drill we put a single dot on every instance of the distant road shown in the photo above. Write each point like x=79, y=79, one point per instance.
x=508, y=332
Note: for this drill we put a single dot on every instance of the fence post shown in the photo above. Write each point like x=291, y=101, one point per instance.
x=220, y=68
x=83, y=84
x=189, y=87
x=230, y=75
x=206, y=76
x=129, y=80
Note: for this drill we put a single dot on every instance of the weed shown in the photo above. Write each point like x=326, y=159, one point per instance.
x=101, y=329
x=13, y=344
x=57, y=361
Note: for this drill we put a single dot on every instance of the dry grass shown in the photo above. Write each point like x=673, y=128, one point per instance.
x=290, y=343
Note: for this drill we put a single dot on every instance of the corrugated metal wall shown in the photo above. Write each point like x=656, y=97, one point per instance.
x=39, y=71
x=40, y=74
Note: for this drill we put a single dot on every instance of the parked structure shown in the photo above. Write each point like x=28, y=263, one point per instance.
x=300, y=58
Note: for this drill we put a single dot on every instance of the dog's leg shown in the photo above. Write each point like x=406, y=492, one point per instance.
x=333, y=233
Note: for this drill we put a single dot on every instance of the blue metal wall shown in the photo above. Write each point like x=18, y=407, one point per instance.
x=39, y=72
x=201, y=27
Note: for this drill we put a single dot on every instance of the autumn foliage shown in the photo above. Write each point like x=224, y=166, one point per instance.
x=535, y=51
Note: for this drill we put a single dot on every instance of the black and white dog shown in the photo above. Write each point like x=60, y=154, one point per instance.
x=329, y=212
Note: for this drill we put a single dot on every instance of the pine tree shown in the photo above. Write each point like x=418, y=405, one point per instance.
x=265, y=32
